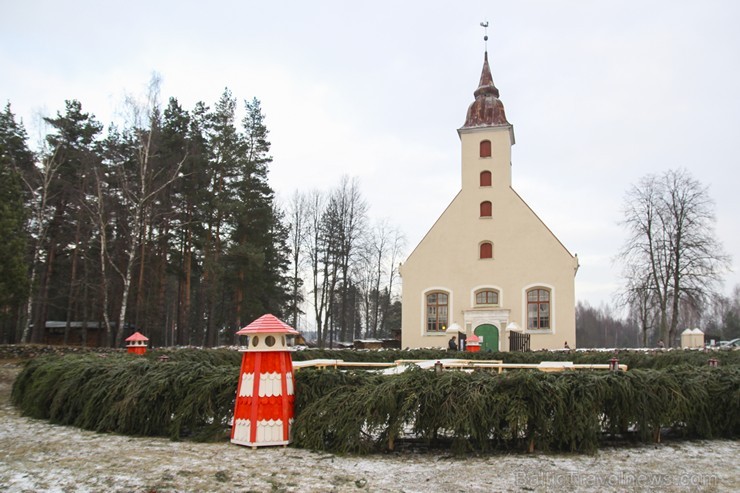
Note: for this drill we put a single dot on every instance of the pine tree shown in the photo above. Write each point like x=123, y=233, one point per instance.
x=226, y=151
x=259, y=253
x=66, y=181
x=13, y=267
x=16, y=160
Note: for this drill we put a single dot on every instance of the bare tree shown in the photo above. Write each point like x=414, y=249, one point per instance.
x=671, y=252
x=639, y=299
x=298, y=216
x=323, y=278
x=39, y=189
x=380, y=252
x=365, y=280
x=397, y=246
x=346, y=218
x=97, y=212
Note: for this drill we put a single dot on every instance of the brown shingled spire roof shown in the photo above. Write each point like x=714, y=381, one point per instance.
x=487, y=110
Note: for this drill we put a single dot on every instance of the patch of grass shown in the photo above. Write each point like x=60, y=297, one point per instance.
x=222, y=476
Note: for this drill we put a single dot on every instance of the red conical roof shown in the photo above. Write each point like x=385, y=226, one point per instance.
x=136, y=336
x=267, y=323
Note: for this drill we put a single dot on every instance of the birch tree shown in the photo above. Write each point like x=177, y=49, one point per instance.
x=138, y=186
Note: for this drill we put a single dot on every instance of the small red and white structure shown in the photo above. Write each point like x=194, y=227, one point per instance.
x=473, y=345
x=263, y=413
x=136, y=343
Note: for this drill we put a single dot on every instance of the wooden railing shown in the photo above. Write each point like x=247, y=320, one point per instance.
x=457, y=364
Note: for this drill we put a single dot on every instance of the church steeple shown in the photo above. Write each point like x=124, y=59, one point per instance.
x=487, y=110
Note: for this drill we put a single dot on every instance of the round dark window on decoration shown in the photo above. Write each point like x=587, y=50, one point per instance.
x=270, y=341
x=255, y=341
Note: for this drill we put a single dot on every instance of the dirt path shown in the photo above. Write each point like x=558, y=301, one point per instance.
x=37, y=456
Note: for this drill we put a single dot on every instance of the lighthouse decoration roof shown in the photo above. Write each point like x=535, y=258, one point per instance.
x=267, y=323
x=136, y=336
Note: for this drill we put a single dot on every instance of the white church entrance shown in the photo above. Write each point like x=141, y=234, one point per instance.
x=488, y=324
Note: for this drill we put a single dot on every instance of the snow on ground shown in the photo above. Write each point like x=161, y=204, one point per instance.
x=38, y=456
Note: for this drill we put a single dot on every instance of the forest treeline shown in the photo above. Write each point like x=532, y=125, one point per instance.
x=167, y=224
x=611, y=327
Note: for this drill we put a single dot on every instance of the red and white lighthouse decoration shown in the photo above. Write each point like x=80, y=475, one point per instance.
x=263, y=413
x=473, y=345
x=136, y=343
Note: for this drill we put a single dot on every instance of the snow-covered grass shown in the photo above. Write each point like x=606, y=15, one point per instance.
x=38, y=456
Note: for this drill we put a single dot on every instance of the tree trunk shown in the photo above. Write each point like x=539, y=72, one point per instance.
x=126, y=277
x=239, y=298
x=39, y=326
x=183, y=326
x=159, y=320
x=71, y=300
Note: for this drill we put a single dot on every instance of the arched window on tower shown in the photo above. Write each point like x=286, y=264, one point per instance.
x=486, y=208
x=486, y=250
x=485, y=178
x=485, y=148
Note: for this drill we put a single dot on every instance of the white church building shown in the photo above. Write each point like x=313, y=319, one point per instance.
x=489, y=266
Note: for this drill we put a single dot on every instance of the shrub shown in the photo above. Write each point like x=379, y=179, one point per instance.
x=633, y=358
x=192, y=396
x=479, y=411
x=129, y=395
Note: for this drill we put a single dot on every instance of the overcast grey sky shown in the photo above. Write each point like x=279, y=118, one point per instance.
x=600, y=93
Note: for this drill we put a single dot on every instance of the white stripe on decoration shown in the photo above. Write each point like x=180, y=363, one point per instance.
x=247, y=385
x=270, y=430
x=289, y=383
x=270, y=385
x=277, y=384
x=242, y=428
x=263, y=384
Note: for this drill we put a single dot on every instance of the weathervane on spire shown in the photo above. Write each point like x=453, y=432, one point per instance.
x=484, y=25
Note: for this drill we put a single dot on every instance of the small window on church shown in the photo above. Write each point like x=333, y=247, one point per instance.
x=486, y=249
x=486, y=297
x=437, y=308
x=485, y=148
x=486, y=209
x=485, y=178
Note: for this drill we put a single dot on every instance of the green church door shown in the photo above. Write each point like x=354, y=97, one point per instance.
x=489, y=333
